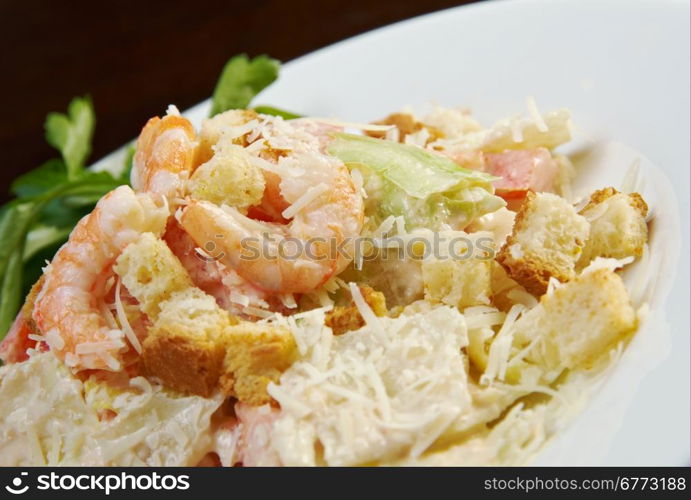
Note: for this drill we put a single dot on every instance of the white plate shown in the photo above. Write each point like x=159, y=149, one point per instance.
x=623, y=70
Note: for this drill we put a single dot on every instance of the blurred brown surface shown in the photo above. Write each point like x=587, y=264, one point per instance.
x=134, y=58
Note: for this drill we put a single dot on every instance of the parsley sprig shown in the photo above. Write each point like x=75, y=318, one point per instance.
x=241, y=80
x=49, y=202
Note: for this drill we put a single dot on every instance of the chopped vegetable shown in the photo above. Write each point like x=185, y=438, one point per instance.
x=426, y=188
x=418, y=172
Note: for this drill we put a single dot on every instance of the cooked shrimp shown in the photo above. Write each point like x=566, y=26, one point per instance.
x=272, y=204
x=231, y=292
x=67, y=310
x=165, y=156
x=325, y=214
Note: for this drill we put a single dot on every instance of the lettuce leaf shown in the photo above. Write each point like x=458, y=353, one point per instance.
x=418, y=172
x=427, y=189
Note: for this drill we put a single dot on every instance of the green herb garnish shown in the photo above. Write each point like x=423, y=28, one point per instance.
x=71, y=134
x=241, y=80
x=50, y=201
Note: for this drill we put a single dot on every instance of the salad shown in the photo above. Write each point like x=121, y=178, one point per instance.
x=266, y=288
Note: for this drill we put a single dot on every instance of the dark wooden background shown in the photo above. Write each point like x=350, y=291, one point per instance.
x=134, y=58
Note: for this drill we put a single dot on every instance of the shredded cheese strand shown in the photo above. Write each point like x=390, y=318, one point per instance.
x=124, y=322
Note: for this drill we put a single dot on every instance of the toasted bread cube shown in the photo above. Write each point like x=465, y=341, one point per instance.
x=229, y=178
x=547, y=240
x=578, y=322
x=406, y=124
x=458, y=283
x=617, y=225
x=506, y=292
x=465, y=278
x=342, y=319
x=461, y=278
x=185, y=346
x=256, y=354
x=151, y=273
x=213, y=128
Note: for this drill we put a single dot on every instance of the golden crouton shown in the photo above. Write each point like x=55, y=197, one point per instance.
x=185, y=346
x=256, y=354
x=406, y=124
x=192, y=340
x=506, y=292
x=230, y=178
x=547, y=240
x=578, y=322
x=342, y=319
x=213, y=128
x=459, y=282
x=151, y=273
x=617, y=225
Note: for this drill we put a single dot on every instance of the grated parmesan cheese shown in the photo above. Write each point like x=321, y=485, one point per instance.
x=347, y=392
x=369, y=127
x=384, y=227
x=365, y=310
x=418, y=138
x=500, y=349
x=607, y=263
x=310, y=195
x=359, y=182
x=518, y=295
x=50, y=417
x=55, y=340
x=633, y=181
x=393, y=134
x=517, y=130
x=239, y=298
x=124, y=322
x=535, y=115
x=288, y=300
